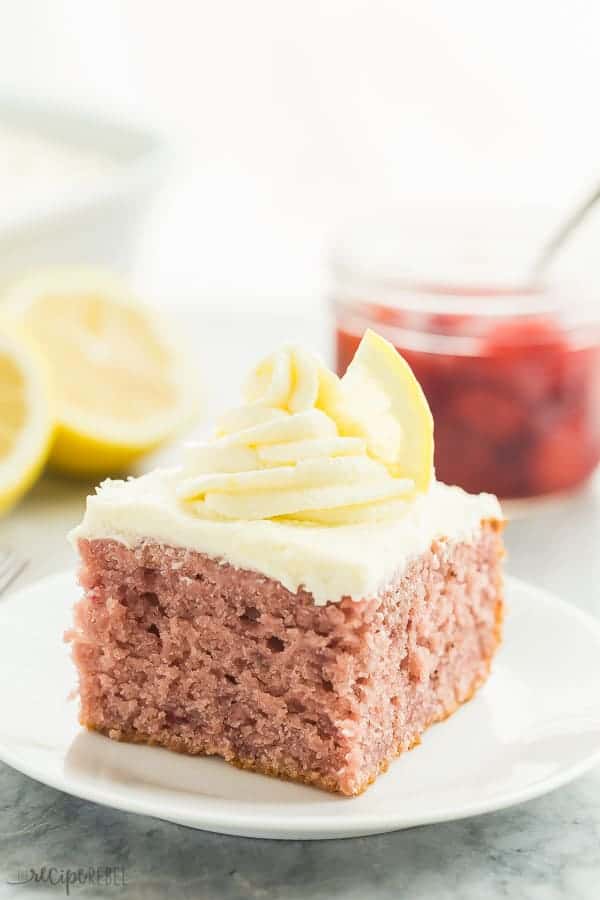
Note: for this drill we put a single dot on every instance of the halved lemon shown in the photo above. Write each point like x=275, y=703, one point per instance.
x=386, y=406
x=122, y=380
x=26, y=424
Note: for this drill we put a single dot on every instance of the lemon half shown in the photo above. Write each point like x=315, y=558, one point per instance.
x=26, y=425
x=122, y=380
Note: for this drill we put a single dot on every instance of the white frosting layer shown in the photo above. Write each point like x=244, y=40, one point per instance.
x=355, y=560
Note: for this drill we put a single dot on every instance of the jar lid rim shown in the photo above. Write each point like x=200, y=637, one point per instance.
x=570, y=299
x=478, y=268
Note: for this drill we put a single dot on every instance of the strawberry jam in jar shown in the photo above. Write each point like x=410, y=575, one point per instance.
x=511, y=372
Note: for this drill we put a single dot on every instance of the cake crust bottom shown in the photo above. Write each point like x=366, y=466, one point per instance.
x=178, y=650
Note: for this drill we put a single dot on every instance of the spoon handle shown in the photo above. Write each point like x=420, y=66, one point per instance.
x=563, y=234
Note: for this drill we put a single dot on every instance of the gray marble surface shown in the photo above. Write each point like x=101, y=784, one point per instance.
x=546, y=849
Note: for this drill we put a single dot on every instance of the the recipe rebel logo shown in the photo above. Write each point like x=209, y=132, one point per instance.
x=80, y=877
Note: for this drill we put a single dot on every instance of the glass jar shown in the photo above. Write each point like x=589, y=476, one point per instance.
x=511, y=371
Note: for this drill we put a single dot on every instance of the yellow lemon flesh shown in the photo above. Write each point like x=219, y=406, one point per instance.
x=26, y=424
x=122, y=382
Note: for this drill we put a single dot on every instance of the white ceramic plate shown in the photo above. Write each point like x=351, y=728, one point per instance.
x=533, y=727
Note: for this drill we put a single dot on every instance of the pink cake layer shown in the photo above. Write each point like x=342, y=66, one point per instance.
x=177, y=649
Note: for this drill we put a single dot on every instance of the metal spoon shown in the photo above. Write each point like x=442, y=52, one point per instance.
x=562, y=235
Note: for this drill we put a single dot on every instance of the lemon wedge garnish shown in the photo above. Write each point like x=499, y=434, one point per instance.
x=26, y=424
x=385, y=405
x=122, y=381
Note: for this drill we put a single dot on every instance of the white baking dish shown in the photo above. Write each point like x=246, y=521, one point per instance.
x=93, y=220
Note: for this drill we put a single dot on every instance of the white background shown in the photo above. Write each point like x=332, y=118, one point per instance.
x=290, y=119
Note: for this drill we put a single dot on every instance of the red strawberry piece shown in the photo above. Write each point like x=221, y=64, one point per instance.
x=492, y=413
x=346, y=345
x=563, y=459
x=510, y=337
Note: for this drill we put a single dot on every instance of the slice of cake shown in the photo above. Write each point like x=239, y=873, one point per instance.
x=301, y=597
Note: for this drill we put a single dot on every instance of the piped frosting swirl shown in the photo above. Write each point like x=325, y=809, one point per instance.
x=292, y=451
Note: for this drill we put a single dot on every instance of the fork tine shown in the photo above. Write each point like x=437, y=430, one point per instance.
x=7, y=555
x=6, y=559
x=11, y=565
x=10, y=560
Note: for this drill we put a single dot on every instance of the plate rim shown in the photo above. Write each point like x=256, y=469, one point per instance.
x=225, y=817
